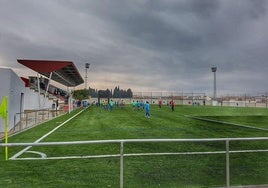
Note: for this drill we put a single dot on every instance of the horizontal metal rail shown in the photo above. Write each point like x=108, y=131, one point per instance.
x=132, y=141
x=122, y=154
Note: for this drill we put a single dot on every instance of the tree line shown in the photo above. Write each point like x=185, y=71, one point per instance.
x=116, y=93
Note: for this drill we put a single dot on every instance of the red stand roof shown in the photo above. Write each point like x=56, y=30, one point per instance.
x=26, y=81
x=64, y=72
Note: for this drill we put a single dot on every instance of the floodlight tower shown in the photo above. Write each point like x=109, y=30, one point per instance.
x=86, y=68
x=214, y=69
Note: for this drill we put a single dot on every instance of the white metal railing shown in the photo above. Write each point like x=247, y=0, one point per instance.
x=26, y=120
x=122, y=154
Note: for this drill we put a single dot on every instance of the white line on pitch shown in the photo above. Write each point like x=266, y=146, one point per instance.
x=223, y=122
x=37, y=141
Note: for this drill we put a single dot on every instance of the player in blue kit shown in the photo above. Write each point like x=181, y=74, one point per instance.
x=147, y=109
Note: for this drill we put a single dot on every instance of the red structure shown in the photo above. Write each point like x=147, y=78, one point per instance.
x=63, y=72
x=26, y=81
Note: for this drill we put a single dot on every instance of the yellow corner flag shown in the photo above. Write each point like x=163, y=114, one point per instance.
x=4, y=108
x=4, y=115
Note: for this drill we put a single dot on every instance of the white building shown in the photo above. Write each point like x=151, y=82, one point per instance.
x=20, y=98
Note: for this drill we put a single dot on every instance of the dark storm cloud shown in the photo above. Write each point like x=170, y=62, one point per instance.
x=144, y=44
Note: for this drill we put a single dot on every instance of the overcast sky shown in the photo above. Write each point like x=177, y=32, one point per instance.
x=145, y=45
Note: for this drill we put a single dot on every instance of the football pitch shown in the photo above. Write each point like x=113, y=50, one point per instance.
x=187, y=164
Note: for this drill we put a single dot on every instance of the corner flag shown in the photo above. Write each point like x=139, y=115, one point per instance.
x=4, y=108
x=4, y=115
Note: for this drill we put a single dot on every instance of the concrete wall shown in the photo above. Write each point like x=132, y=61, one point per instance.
x=20, y=97
x=4, y=91
x=32, y=100
x=13, y=87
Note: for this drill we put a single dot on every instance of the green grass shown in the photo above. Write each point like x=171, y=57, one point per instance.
x=143, y=171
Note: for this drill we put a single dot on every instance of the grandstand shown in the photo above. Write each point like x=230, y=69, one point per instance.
x=33, y=100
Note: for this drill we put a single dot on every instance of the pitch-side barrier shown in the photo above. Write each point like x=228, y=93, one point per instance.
x=122, y=154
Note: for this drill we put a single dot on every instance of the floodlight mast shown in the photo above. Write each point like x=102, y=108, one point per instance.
x=214, y=69
x=86, y=68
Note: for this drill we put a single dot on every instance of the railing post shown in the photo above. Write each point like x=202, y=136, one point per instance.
x=15, y=120
x=35, y=118
x=227, y=164
x=43, y=115
x=122, y=165
x=26, y=122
